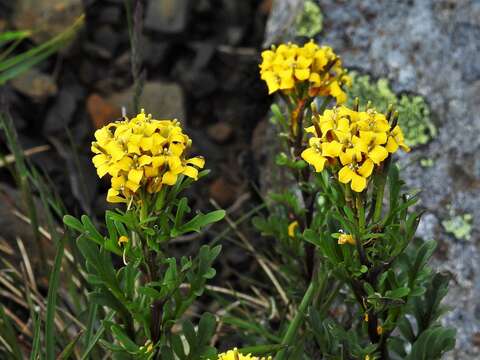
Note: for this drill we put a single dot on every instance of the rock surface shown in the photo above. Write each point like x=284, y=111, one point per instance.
x=164, y=99
x=47, y=17
x=430, y=48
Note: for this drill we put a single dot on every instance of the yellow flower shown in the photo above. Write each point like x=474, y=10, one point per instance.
x=346, y=239
x=122, y=240
x=142, y=153
x=236, y=355
x=356, y=174
x=291, y=228
x=379, y=330
x=288, y=65
x=396, y=140
x=358, y=140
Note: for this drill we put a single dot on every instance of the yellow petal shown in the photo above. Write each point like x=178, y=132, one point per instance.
x=378, y=154
x=337, y=92
x=115, y=150
x=346, y=239
x=146, y=143
x=197, y=161
x=151, y=171
x=302, y=74
x=169, y=178
x=315, y=79
x=112, y=197
x=345, y=175
x=144, y=160
x=191, y=172
x=366, y=169
x=132, y=186
x=125, y=163
x=347, y=156
x=392, y=145
x=287, y=83
x=99, y=160
x=331, y=149
x=102, y=170
x=135, y=176
x=291, y=228
x=158, y=161
x=313, y=157
x=118, y=182
x=359, y=183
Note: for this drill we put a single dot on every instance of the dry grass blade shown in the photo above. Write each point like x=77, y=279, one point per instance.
x=238, y=295
x=10, y=158
x=261, y=261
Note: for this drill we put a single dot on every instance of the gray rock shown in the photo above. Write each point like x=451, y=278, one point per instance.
x=169, y=16
x=430, y=48
x=47, y=17
x=163, y=100
x=37, y=85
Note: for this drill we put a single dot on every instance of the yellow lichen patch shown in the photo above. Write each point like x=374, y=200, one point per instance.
x=355, y=142
x=142, y=153
x=287, y=66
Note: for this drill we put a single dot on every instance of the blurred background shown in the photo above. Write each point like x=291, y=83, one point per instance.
x=68, y=67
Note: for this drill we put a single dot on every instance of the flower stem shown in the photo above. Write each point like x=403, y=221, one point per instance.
x=298, y=319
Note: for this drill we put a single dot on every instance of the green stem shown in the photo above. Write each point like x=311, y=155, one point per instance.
x=379, y=198
x=297, y=320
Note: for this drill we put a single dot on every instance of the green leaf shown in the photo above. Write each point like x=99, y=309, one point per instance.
x=433, y=343
x=398, y=293
x=199, y=222
x=124, y=340
x=91, y=231
x=73, y=223
x=177, y=346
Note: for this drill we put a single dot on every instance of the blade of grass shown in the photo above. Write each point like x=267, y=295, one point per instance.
x=97, y=337
x=8, y=36
x=13, y=66
x=52, y=301
x=37, y=328
x=67, y=352
x=8, y=334
x=6, y=123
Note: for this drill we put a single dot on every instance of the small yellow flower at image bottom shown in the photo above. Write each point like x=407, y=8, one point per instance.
x=346, y=239
x=122, y=240
x=354, y=142
x=291, y=228
x=142, y=154
x=234, y=354
x=379, y=330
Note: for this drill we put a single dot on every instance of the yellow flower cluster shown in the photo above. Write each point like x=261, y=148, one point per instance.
x=142, y=153
x=352, y=141
x=236, y=355
x=286, y=66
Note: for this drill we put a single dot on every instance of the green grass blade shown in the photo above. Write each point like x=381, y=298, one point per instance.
x=8, y=36
x=52, y=301
x=7, y=332
x=37, y=329
x=67, y=352
x=97, y=337
x=17, y=64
